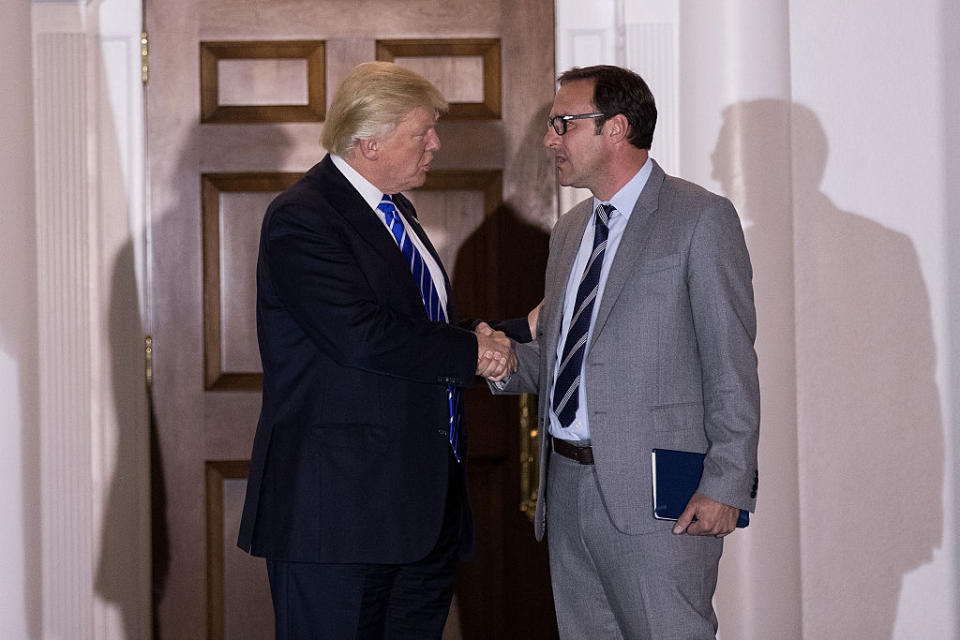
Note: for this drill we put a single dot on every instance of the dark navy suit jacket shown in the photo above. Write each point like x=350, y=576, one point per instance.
x=350, y=461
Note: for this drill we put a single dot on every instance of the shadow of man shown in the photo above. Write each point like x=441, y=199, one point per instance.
x=182, y=550
x=496, y=254
x=120, y=566
x=869, y=426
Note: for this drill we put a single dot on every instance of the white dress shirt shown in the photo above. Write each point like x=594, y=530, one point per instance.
x=624, y=202
x=372, y=196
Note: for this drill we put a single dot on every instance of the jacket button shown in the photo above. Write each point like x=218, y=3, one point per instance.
x=442, y=432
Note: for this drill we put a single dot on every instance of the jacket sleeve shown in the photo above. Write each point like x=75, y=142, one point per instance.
x=720, y=287
x=318, y=278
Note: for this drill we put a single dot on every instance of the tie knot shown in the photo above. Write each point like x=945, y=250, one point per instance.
x=386, y=205
x=604, y=212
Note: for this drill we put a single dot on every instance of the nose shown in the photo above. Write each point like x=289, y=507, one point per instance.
x=551, y=139
x=433, y=140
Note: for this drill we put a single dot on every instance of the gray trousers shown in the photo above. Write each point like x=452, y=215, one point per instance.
x=607, y=584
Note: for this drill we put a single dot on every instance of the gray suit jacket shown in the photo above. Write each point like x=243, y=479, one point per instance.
x=671, y=362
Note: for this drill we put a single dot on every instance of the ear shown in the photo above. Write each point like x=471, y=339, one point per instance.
x=618, y=128
x=369, y=148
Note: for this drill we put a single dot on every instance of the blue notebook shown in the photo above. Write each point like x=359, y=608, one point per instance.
x=676, y=476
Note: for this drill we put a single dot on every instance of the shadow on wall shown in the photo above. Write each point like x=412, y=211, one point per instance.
x=498, y=272
x=869, y=425
x=751, y=161
x=191, y=426
x=120, y=566
x=120, y=572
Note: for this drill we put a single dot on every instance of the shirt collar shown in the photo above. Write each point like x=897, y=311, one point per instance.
x=370, y=194
x=626, y=199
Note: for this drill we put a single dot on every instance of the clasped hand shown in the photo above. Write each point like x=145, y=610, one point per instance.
x=496, y=358
x=706, y=517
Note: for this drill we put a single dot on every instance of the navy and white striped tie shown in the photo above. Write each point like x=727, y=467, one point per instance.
x=566, y=389
x=431, y=302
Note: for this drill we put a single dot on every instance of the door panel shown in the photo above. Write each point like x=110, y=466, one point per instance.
x=487, y=206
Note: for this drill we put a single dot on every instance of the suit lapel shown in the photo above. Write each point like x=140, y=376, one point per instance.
x=634, y=241
x=348, y=202
x=406, y=209
x=354, y=209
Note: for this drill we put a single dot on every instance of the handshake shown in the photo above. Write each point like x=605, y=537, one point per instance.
x=496, y=357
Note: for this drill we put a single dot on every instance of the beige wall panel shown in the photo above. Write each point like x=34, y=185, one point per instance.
x=266, y=81
x=459, y=78
x=288, y=146
x=247, y=608
x=528, y=81
x=240, y=217
x=459, y=144
x=296, y=147
x=449, y=218
x=231, y=19
x=343, y=54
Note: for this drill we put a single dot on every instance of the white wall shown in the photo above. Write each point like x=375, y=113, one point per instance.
x=833, y=127
x=19, y=484
x=873, y=329
x=74, y=463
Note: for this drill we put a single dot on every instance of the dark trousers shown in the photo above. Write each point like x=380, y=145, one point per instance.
x=370, y=601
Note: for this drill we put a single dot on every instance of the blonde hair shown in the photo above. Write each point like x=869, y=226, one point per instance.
x=372, y=100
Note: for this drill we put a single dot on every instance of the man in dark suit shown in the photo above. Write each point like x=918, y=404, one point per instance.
x=357, y=493
x=644, y=340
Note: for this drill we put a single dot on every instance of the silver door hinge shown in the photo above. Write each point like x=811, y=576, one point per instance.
x=148, y=360
x=144, y=58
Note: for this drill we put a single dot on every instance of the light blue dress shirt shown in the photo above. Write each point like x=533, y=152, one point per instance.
x=624, y=202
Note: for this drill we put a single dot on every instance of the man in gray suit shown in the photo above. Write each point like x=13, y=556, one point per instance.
x=645, y=340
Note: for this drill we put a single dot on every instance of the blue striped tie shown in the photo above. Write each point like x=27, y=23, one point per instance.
x=431, y=302
x=566, y=394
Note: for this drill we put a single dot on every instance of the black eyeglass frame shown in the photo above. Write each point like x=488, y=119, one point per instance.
x=562, y=129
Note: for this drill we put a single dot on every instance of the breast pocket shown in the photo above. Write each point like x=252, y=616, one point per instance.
x=656, y=265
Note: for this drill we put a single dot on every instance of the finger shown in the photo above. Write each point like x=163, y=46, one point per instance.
x=484, y=329
x=498, y=377
x=489, y=370
x=698, y=528
x=497, y=372
x=484, y=364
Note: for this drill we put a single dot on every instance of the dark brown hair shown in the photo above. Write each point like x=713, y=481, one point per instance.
x=617, y=90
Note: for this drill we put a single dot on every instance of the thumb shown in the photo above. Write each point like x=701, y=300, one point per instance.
x=484, y=329
x=684, y=520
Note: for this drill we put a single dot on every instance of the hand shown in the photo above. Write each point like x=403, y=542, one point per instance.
x=713, y=518
x=532, y=318
x=496, y=358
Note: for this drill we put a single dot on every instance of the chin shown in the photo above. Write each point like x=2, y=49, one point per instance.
x=415, y=182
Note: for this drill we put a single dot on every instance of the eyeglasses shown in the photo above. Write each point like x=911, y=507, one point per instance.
x=559, y=123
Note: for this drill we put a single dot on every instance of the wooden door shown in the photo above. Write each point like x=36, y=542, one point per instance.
x=236, y=97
